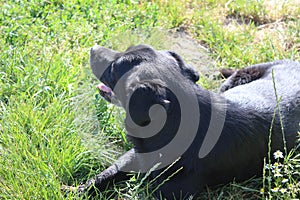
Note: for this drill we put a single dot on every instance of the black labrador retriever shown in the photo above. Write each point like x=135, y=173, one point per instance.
x=188, y=137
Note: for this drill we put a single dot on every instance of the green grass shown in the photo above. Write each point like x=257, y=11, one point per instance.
x=54, y=128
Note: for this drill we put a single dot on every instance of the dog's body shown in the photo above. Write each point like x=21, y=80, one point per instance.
x=239, y=119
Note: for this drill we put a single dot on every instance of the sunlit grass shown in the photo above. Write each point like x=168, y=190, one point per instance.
x=54, y=128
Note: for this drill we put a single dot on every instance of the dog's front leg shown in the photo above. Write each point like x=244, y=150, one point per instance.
x=113, y=174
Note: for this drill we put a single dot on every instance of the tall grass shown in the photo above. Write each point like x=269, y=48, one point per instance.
x=55, y=130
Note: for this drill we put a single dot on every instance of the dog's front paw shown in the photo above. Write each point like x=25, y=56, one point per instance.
x=85, y=188
x=81, y=190
x=67, y=190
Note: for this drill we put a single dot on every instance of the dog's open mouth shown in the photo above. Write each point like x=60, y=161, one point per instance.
x=106, y=92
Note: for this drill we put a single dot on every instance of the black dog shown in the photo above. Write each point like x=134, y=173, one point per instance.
x=189, y=137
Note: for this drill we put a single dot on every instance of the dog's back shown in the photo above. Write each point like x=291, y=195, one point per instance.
x=284, y=76
x=281, y=78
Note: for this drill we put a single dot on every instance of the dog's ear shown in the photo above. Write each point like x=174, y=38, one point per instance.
x=146, y=102
x=186, y=70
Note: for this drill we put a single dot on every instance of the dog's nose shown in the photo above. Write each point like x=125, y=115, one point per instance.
x=94, y=49
x=100, y=59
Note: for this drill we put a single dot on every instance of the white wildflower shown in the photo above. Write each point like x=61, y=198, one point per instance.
x=268, y=166
x=277, y=174
x=277, y=165
x=278, y=154
x=285, y=180
x=282, y=190
x=262, y=191
x=275, y=189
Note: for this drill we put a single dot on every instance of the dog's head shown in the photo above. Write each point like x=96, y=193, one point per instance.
x=138, y=78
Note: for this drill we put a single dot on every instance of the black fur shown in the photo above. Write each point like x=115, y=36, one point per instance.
x=243, y=144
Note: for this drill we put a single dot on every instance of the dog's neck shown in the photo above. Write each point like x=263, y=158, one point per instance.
x=173, y=122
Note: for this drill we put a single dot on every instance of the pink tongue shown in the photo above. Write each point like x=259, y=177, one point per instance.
x=103, y=88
